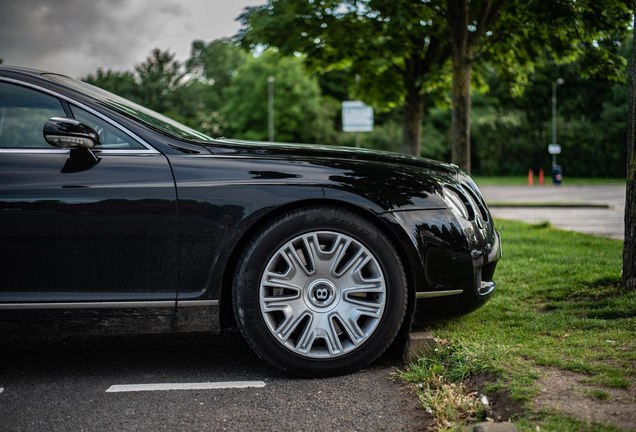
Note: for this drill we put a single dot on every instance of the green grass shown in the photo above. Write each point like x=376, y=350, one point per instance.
x=559, y=304
x=523, y=180
x=554, y=422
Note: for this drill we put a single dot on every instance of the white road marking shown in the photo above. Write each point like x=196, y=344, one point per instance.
x=184, y=386
x=1, y=389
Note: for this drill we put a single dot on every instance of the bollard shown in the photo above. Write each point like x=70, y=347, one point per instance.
x=541, y=177
x=557, y=174
x=530, y=178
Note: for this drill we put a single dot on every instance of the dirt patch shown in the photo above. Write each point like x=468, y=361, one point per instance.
x=564, y=391
x=501, y=407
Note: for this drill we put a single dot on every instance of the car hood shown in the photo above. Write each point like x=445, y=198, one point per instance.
x=308, y=151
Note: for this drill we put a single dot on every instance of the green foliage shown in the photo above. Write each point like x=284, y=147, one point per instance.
x=510, y=135
x=570, y=30
x=192, y=96
x=374, y=41
x=211, y=68
x=398, y=50
x=511, y=112
x=216, y=62
x=160, y=78
x=390, y=50
x=296, y=99
x=123, y=84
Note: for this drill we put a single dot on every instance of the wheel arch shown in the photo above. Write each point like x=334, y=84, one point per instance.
x=226, y=307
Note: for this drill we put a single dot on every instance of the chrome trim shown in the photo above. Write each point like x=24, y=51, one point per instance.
x=149, y=148
x=193, y=303
x=88, y=305
x=97, y=151
x=486, y=288
x=35, y=150
x=120, y=152
x=430, y=294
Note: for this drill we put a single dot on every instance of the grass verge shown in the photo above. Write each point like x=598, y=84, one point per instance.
x=559, y=304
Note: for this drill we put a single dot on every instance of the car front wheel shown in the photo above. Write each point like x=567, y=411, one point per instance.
x=320, y=292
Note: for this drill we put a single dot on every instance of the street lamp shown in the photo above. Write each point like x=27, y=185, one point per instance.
x=554, y=140
x=270, y=107
x=554, y=148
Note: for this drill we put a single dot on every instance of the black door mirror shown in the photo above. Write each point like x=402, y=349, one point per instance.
x=69, y=133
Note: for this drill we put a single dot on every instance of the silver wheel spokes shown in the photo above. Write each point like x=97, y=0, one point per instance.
x=322, y=294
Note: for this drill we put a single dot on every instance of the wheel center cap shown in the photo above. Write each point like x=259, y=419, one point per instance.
x=322, y=293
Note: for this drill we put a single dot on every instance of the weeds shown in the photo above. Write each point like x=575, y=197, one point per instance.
x=438, y=384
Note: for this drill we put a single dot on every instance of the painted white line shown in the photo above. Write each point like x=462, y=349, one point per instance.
x=1, y=389
x=184, y=386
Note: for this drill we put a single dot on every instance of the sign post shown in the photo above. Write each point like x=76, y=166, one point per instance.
x=356, y=117
x=554, y=149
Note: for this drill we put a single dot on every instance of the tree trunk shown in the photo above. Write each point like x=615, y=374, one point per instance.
x=412, y=122
x=629, y=247
x=460, y=123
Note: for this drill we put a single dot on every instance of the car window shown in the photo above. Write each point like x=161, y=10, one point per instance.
x=109, y=136
x=23, y=112
x=142, y=114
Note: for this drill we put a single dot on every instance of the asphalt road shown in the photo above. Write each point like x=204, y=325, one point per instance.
x=594, y=209
x=60, y=385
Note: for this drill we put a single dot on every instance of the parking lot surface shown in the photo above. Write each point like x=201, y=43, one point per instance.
x=595, y=209
x=60, y=384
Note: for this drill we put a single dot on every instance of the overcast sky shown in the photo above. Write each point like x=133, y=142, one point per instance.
x=75, y=37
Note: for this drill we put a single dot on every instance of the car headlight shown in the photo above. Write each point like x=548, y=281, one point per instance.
x=477, y=201
x=458, y=202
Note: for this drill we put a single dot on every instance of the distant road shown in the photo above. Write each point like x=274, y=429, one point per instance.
x=593, y=209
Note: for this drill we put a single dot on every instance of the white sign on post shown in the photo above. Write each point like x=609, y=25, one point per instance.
x=554, y=149
x=356, y=117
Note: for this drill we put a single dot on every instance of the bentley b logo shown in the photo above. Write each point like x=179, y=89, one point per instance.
x=322, y=294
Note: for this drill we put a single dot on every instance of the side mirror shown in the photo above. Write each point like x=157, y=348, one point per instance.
x=69, y=133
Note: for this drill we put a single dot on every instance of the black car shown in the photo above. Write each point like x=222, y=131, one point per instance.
x=115, y=219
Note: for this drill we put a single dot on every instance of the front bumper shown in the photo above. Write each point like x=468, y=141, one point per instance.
x=454, y=262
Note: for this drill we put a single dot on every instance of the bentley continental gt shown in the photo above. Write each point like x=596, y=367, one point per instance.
x=116, y=219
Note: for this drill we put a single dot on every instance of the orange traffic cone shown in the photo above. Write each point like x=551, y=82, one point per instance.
x=530, y=178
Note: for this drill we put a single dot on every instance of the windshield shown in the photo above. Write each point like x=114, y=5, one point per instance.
x=145, y=115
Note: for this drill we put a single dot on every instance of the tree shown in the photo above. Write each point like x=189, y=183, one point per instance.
x=511, y=34
x=154, y=84
x=159, y=76
x=210, y=68
x=296, y=99
x=217, y=62
x=629, y=247
x=400, y=48
x=390, y=49
x=192, y=96
x=123, y=84
x=509, y=134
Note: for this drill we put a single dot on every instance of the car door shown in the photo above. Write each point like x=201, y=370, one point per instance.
x=93, y=237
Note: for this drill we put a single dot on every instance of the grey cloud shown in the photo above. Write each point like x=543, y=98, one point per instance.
x=76, y=36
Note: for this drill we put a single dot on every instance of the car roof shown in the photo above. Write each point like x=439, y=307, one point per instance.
x=24, y=70
x=34, y=76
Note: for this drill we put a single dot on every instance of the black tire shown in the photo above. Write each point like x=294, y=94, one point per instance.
x=320, y=292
